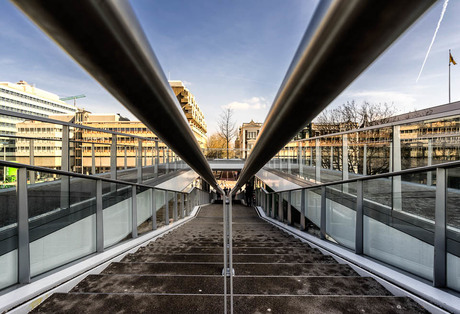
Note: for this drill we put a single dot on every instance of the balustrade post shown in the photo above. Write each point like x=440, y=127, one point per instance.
x=440, y=242
x=23, y=227
x=302, y=209
x=323, y=213
x=134, y=211
x=359, y=217
x=99, y=218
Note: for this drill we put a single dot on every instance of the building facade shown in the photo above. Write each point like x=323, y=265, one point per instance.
x=247, y=136
x=192, y=111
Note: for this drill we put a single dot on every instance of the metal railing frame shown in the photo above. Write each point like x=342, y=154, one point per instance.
x=318, y=75
x=440, y=226
x=133, y=75
x=24, y=275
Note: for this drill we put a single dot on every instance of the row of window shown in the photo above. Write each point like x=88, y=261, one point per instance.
x=6, y=91
x=39, y=130
x=16, y=102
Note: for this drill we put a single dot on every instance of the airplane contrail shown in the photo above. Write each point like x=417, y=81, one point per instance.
x=444, y=7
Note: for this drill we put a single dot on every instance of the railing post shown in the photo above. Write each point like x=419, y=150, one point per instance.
x=166, y=208
x=331, y=166
x=318, y=162
x=182, y=205
x=175, y=207
x=365, y=160
x=113, y=158
x=396, y=182
x=440, y=252
x=126, y=158
x=300, y=159
x=429, y=179
x=289, y=209
x=139, y=161
x=302, y=209
x=359, y=217
x=154, y=210
x=93, y=159
x=157, y=159
x=23, y=227
x=134, y=211
x=280, y=207
x=345, y=157
x=65, y=180
x=167, y=160
x=273, y=208
x=289, y=159
x=99, y=218
x=32, y=161
x=323, y=213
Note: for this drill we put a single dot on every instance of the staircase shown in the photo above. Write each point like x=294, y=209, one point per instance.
x=182, y=273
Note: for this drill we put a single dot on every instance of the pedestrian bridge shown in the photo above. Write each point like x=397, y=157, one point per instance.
x=359, y=221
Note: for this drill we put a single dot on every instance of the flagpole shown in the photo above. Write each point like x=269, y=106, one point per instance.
x=449, y=75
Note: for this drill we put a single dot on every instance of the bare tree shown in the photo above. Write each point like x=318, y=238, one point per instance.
x=226, y=126
x=351, y=116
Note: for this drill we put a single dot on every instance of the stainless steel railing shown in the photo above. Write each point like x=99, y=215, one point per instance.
x=343, y=39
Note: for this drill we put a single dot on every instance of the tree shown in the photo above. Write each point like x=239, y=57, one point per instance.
x=216, y=143
x=350, y=116
x=226, y=126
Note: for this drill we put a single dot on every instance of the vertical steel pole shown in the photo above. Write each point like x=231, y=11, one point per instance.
x=396, y=182
x=154, y=210
x=134, y=210
x=32, y=161
x=99, y=218
x=175, y=207
x=224, y=271
x=323, y=213
x=139, y=161
x=280, y=207
x=93, y=159
x=23, y=227
x=230, y=251
x=273, y=206
x=359, y=217
x=65, y=180
x=365, y=160
x=113, y=158
x=429, y=179
x=289, y=209
x=157, y=159
x=166, y=208
x=302, y=209
x=440, y=252
x=332, y=158
x=182, y=205
x=126, y=158
x=318, y=162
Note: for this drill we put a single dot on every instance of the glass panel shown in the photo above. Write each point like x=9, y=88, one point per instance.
x=117, y=204
x=161, y=207
x=401, y=235
x=62, y=222
x=8, y=233
x=313, y=210
x=341, y=214
x=144, y=209
x=453, y=228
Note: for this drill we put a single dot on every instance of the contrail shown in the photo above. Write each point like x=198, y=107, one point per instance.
x=444, y=7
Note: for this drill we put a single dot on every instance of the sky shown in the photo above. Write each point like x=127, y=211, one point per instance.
x=235, y=54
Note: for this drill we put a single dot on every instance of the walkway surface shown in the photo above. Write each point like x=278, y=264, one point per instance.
x=274, y=273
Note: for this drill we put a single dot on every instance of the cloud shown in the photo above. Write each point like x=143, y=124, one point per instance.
x=254, y=103
x=396, y=98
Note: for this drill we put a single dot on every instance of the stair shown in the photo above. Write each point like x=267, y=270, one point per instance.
x=274, y=273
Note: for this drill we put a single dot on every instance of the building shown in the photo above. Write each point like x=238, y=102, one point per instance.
x=192, y=111
x=24, y=98
x=247, y=136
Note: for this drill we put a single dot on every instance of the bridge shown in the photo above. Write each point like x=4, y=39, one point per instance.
x=337, y=223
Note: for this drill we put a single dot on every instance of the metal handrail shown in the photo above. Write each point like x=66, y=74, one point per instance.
x=132, y=75
x=342, y=40
x=74, y=174
x=444, y=165
x=75, y=125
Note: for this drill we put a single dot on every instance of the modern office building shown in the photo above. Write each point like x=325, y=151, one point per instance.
x=195, y=116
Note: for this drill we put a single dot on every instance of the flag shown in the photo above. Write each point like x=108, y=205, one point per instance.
x=451, y=59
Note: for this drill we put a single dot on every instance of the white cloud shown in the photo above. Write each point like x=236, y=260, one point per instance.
x=390, y=97
x=253, y=103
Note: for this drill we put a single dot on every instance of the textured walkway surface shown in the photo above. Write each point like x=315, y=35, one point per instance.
x=274, y=273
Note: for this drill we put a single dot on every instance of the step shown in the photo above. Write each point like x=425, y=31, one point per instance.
x=173, y=304
x=216, y=258
x=277, y=269
x=219, y=250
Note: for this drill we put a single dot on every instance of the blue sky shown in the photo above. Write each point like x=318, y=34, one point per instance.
x=236, y=53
